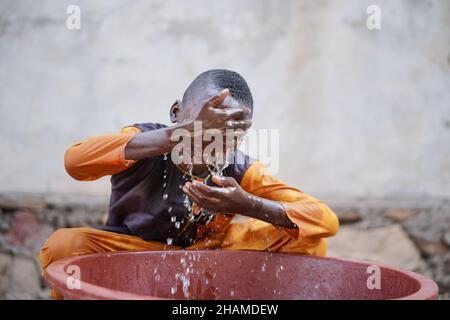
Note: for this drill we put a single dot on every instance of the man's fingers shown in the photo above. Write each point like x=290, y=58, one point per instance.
x=218, y=98
x=228, y=114
x=203, y=189
x=213, y=194
x=200, y=198
x=238, y=124
x=225, y=181
x=235, y=113
x=193, y=197
x=247, y=111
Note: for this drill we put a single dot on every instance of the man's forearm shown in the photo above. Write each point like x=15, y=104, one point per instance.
x=269, y=211
x=151, y=143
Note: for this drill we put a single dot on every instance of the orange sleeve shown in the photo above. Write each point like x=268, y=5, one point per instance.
x=313, y=218
x=99, y=156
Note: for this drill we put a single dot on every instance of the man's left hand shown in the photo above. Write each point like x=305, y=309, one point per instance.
x=228, y=198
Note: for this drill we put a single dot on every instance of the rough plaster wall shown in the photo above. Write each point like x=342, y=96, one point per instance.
x=361, y=113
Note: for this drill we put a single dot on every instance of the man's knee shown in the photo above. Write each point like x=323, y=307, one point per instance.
x=64, y=243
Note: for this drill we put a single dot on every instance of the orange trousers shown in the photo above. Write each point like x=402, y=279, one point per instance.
x=250, y=235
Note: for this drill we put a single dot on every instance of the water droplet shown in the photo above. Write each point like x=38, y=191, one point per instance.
x=185, y=281
x=169, y=210
x=187, y=204
x=165, y=195
x=165, y=156
x=173, y=218
x=232, y=293
x=169, y=241
x=173, y=290
x=177, y=225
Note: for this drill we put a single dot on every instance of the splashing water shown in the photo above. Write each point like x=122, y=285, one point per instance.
x=190, y=167
x=183, y=276
x=185, y=280
x=216, y=168
x=278, y=270
x=188, y=205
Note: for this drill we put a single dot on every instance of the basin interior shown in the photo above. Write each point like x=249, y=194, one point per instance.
x=237, y=275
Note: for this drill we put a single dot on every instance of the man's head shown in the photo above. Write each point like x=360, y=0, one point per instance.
x=223, y=116
x=205, y=86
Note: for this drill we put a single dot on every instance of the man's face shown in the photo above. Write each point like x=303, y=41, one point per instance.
x=188, y=110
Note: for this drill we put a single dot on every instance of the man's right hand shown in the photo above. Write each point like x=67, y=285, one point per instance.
x=215, y=114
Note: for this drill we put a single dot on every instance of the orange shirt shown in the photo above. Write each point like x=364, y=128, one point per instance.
x=105, y=155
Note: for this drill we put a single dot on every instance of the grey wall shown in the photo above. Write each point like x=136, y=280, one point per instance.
x=361, y=113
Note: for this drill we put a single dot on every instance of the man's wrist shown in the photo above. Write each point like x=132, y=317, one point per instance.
x=188, y=126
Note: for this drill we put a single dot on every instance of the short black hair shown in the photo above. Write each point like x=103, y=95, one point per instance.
x=223, y=79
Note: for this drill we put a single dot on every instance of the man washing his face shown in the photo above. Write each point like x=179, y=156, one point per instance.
x=157, y=204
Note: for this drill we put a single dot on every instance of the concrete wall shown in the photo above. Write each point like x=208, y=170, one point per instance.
x=361, y=113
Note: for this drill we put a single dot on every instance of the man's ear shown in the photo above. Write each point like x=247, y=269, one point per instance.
x=174, y=111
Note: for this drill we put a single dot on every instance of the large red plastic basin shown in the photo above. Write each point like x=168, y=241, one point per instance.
x=230, y=275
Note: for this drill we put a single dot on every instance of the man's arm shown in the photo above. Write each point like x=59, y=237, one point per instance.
x=211, y=115
x=231, y=198
x=265, y=198
x=106, y=155
x=99, y=156
x=150, y=143
x=313, y=217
